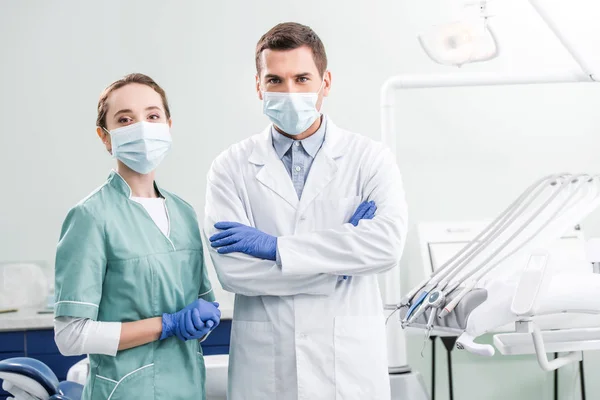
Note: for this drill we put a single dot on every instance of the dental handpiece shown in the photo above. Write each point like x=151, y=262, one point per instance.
x=422, y=308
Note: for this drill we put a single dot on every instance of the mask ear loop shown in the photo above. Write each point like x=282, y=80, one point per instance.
x=322, y=83
x=112, y=153
x=319, y=91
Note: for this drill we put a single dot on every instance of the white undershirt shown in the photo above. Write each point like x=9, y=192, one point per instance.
x=157, y=210
x=77, y=336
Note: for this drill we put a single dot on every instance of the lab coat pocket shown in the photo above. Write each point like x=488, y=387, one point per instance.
x=137, y=384
x=361, y=368
x=252, y=361
x=336, y=212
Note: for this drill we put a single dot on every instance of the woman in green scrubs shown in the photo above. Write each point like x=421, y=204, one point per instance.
x=132, y=289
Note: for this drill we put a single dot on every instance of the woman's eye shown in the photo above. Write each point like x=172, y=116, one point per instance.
x=124, y=120
x=154, y=117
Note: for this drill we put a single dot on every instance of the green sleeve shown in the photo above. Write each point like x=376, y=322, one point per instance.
x=80, y=265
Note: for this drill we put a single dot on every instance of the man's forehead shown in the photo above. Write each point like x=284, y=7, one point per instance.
x=288, y=62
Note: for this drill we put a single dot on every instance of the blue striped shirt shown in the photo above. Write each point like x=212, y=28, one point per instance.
x=298, y=155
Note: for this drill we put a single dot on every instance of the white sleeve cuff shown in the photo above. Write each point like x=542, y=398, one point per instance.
x=102, y=337
x=77, y=336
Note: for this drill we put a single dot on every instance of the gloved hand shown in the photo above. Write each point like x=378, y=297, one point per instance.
x=206, y=315
x=366, y=210
x=191, y=326
x=236, y=237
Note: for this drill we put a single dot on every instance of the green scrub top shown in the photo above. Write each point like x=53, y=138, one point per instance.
x=113, y=263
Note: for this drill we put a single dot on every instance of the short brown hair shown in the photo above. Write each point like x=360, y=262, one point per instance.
x=290, y=36
x=126, y=80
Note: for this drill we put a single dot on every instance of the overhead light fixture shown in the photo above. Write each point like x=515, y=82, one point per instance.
x=461, y=42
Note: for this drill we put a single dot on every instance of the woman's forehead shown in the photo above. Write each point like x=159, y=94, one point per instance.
x=134, y=96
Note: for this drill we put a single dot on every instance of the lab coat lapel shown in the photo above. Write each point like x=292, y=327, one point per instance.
x=324, y=168
x=273, y=174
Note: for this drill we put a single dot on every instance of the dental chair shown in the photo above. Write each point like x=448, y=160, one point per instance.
x=29, y=379
x=528, y=277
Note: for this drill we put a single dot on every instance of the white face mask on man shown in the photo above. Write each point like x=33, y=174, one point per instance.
x=141, y=146
x=293, y=113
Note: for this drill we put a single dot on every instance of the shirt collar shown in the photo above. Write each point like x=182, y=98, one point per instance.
x=118, y=182
x=311, y=144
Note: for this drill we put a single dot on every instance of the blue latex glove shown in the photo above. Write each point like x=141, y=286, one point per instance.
x=238, y=238
x=366, y=210
x=191, y=326
x=207, y=311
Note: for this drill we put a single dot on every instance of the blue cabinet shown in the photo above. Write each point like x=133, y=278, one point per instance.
x=41, y=346
x=218, y=341
x=11, y=342
x=41, y=342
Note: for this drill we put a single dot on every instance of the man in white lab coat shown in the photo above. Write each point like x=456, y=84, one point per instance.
x=291, y=217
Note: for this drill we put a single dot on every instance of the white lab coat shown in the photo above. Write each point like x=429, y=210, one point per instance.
x=300, y=331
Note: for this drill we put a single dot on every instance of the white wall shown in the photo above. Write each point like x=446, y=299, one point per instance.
x=464, y=153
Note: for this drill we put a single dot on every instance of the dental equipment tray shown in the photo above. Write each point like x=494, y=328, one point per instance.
x=555, y=341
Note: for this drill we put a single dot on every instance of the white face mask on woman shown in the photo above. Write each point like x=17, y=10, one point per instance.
x=141, y=146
